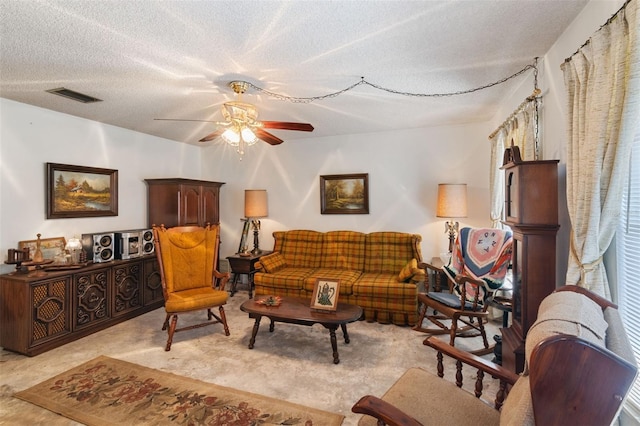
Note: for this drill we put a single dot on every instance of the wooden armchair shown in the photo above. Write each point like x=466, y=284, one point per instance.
x=574, y=375
x=478, y=267
x=187, y=256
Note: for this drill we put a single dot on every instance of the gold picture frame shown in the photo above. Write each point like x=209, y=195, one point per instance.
x=325, y=294
x=50, y=247
x=344, y=194
x=78, y=191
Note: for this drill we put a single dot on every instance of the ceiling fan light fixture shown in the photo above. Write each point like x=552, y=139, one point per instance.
x=231, y=137
x=248, y=135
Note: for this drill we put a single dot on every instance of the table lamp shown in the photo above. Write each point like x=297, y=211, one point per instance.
x=255, y=206
x=452, y=203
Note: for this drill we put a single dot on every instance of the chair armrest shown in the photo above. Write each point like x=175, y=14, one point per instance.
x=383, y=411
x=488, y=367
x=220, y=279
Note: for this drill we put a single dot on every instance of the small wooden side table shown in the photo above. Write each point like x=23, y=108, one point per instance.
x=244, y=265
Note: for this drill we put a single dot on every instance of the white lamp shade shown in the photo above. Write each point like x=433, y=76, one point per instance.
x=452, y=200
x=255, y=203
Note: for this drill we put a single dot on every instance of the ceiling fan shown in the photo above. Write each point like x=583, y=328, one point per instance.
x=241, y=126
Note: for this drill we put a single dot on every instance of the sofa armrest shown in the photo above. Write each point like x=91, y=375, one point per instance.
x=383, y=411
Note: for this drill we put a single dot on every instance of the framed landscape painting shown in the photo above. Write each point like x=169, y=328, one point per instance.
x=78, y=191
x=344, y=194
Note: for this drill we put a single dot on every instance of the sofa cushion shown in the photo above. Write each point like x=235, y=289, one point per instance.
x=273, y=262
x=389, y=252
x=343, y=250
x=347, y=279
x=518, y=408
x=411, y=272
x=567, y=312
x=288, y=277
x=300, y=248
x=384, y=286
x=426, y=397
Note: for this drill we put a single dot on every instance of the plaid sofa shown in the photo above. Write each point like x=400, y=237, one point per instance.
x=377, y=271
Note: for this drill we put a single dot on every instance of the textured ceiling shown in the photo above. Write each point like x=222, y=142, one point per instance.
x=173, y=59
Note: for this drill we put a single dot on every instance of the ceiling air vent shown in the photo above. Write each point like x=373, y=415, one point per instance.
x=85, y=99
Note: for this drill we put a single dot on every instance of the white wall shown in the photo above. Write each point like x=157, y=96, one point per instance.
x=30, y=137
x=404, y=169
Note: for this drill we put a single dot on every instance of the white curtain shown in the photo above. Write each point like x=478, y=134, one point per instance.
x=519, y=130
x=602, y=81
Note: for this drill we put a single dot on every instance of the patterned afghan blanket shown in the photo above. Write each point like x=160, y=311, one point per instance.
x=483, y=254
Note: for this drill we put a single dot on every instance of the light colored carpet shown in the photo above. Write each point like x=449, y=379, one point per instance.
x=294, y=363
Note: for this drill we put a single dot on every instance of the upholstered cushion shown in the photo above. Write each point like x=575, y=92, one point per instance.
x=432, y=400
x=199, y=298
x=567, y=312
x=517, y=408
x=343, y=250
x=409, y=271
x=187, y=258
x=273, y=262
x=617, y=341
x=388, y=252
x=451, y=300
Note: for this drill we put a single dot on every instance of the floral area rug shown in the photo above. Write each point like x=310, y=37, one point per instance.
x=107, y=391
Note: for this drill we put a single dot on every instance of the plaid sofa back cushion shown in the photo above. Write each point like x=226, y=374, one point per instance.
x=389, y=252
x=300, y=248
x=343, y=250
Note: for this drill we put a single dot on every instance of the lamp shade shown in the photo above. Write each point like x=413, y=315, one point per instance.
x=452, y=200
x=255, y=203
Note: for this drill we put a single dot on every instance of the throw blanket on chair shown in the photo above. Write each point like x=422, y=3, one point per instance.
x=483, y=254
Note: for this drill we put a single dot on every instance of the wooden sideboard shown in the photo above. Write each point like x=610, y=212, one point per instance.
x=39, y=313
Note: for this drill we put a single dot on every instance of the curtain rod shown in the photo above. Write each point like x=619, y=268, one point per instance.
x=529, y=99
x=614, y=16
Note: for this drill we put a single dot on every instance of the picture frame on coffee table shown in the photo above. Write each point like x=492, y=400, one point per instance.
x=325, y=294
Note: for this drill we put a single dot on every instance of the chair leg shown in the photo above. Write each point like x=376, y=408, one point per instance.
x=423, y=312
x=224, y=321
x=453, y=330
x=172, y=329
x=165, y=325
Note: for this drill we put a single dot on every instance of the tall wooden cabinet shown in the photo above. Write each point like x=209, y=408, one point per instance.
x=183, y=202
x=531, y=211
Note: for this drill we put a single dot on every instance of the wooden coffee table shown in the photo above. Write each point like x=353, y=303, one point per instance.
x=293, y=310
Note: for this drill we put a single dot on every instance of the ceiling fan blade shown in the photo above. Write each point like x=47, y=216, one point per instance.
x=268, y=137
x=302, y=127
x=212, y=136
x=183, y=119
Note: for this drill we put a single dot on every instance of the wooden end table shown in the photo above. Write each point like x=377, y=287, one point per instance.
x=294, y=310
x=244, y=265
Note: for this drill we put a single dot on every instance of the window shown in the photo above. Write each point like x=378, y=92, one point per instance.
x=628, y=265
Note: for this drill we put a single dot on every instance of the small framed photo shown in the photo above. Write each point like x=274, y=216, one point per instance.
x=50, y=247
x=344, y=194
x=325, y=294
x=78, y=191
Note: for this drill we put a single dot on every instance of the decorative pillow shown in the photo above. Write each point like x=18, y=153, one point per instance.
x=273, y=262
x=411, y=272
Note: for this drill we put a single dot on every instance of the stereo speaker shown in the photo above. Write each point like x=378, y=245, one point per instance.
x=99, y=247
x=148, y=244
